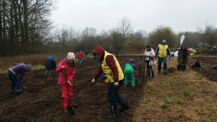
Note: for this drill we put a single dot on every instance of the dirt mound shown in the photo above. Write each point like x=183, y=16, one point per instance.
x=42, y=101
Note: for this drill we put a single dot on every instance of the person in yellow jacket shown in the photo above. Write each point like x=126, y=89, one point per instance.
x=162, y=52
x=114, y=78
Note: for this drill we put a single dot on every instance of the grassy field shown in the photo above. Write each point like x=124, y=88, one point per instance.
x=185, y=96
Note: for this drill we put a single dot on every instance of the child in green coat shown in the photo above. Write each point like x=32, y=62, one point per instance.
x=129, y=74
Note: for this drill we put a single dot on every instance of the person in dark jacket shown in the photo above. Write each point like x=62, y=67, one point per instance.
x=15, y=74
x=50, y=66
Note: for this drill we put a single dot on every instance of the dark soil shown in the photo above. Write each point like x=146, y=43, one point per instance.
x=207, y=69
x=41, y=99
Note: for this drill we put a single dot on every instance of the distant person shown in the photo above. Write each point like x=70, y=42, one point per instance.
x=162, y=52
x=116, y=54
x=149, y=57
x=182, y=58
x=114, y=78
x=16, y=73
x=50, y=65
x=94, y=55
x=80, y=56
x=66, y=68
x=129, y=73
x=86, y=53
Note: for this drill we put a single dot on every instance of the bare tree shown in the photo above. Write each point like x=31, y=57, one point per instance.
x=124, y=27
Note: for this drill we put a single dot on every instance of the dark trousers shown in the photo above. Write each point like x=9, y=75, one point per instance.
x=15, y=82
x=114, y=97
x=149, y=69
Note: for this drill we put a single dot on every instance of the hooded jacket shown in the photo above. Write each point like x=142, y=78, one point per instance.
x=70, y=72
x=109, y=65
x=132, y=63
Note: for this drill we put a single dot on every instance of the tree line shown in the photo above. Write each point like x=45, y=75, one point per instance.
x=25, y=29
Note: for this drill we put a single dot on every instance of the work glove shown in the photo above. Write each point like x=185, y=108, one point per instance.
x=93, y=81
x=116, y=84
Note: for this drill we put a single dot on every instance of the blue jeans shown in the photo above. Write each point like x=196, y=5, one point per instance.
x=80, y=60
x=164, y=60
x=15, y=82
x=149, y=68
x=114, y=97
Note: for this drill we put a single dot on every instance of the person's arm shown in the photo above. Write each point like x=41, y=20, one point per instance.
x=98, y=73
x=59, y=67
x=111, y=62
x=157, y=50
x=152, y=53
x=168, y=51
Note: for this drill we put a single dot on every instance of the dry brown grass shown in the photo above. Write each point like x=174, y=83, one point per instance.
x=7, y=62
x=178, y=96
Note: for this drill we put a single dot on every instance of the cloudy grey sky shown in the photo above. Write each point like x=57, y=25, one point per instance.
x=180, y=15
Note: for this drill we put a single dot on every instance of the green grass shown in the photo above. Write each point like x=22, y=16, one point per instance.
x=164, y=105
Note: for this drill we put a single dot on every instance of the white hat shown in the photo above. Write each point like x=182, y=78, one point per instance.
x=71, y=56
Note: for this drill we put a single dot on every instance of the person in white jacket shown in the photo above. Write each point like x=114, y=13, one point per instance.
x=149, y=56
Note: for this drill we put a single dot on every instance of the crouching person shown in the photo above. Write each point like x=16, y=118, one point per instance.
x=114, y=78
x=50, y=66
x=66, y=69
x=129, y=75
x=16, y=73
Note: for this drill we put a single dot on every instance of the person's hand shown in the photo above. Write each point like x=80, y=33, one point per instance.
x=69, y=83
x=93, y=81
x=63, y=67
x=116, y=84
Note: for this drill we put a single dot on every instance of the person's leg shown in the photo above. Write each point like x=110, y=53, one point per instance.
x=64, y=96
x=120, y=99
x=70, y=94
x=159, y=64
x=13, y=82
x=148, y=68
x=152, y=71
x=165, y=65
x=112, y=96
x=18, y=84
x=126, y=76
x=132, y=79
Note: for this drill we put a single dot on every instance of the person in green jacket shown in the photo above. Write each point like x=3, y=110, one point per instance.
x=129, y=74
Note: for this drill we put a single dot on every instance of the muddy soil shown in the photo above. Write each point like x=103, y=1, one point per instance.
x=41, y=99
x=207, y=69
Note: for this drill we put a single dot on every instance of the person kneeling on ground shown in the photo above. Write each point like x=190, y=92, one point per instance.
x=114, y=75
x=15, y=74
x=50, y=66
x=129, y=74
x=66, y=69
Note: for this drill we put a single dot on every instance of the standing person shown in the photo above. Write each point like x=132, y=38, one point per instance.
x=182, y=58
x=129, y=75
x=94, y=55
x=66, y=67
x=50, y=65
x=16, y=73
x=162, y=52
x=149, y=56
x=80, y=56
x=114, y=78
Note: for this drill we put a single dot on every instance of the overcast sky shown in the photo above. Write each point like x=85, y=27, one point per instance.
x=180, y=15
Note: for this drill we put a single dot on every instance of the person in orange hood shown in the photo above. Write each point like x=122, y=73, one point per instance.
x=114, y=78
x=67, y=66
